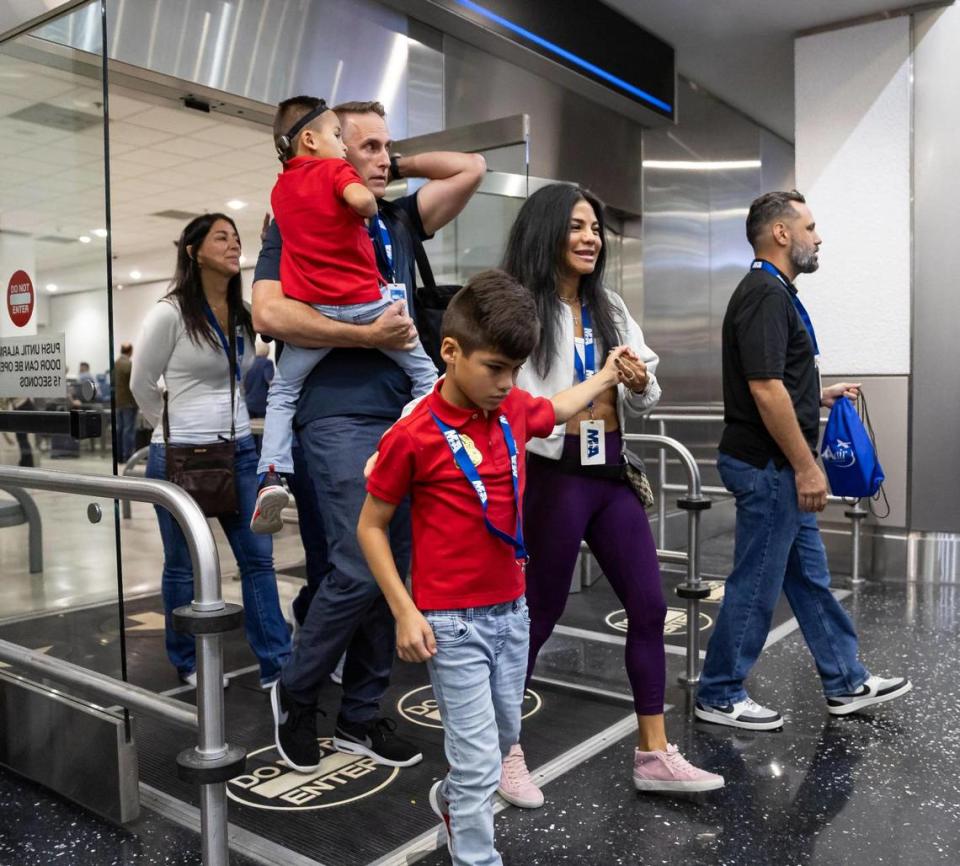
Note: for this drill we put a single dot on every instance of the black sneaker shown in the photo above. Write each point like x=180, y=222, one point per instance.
x=377, y=740
x=272, y=498
x=876, y=690
x=294, y=730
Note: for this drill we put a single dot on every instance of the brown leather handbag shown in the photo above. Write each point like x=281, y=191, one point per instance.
x=206, y=471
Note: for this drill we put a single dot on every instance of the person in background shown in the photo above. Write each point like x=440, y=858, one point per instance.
x=184, y=341
x=255, y=385
x=84, y=375
x=556, y=249
x=125, y=404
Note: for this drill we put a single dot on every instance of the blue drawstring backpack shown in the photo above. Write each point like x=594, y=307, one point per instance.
x=849, y=452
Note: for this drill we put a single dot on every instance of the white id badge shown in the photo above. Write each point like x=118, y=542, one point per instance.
x=592, y=443
x=396, y=292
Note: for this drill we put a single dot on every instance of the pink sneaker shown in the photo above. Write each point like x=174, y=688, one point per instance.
x=669, y=771
x=516, y=787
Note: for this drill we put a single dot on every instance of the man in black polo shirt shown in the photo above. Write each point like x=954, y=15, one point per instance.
x=352, y=396
x=772, y=398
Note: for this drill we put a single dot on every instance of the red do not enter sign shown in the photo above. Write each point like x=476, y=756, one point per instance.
x=20, y=298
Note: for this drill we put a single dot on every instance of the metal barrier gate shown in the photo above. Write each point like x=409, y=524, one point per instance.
x=212, y=761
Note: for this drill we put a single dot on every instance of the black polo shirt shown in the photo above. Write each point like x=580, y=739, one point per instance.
x=764, y=338
x=359, y=382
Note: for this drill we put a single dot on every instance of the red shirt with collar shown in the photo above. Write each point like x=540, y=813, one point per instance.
x=457, y=562
x=327, y=255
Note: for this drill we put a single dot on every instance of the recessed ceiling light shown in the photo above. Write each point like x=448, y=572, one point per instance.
x=135, y=275
x=119, y=286
x=100, y=233
x=236, y=204
x=51, y=287
x=243, y=260
x=84, y=239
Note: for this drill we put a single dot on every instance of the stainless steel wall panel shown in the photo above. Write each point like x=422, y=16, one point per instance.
x=265, y=50
x=19, y=16
x=571, y=138
x=935, y=411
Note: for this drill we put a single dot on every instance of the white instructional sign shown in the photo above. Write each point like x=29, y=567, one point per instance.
x=33, y=367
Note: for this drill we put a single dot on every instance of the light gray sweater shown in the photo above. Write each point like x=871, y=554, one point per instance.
x=196, y=377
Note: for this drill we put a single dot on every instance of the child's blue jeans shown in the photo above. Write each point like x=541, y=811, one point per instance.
x=295, y=365
x=478, y=678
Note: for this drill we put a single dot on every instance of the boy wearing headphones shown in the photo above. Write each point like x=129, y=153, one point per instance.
x=320, y=204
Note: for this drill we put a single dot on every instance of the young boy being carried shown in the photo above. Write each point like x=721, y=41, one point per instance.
x=320, y=204
x=460, y=455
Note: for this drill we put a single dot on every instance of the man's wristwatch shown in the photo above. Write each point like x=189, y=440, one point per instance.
x=395, y=167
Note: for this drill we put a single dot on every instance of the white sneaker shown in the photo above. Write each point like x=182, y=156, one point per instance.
x=746, y=714
x=272, y=498
x=190, y=679
x=876, y=690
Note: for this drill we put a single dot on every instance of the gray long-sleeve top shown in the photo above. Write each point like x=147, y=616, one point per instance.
x=196, y=377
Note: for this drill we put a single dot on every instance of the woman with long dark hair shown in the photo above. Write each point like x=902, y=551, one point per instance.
x=188, y=339
x=576, y=487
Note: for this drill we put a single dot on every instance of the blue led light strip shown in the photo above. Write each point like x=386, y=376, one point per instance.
x=566, y=55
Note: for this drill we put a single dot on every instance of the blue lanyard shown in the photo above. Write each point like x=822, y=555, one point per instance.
x=212, y=319
x=463, y=461
x=760, y=264
x=588, y=366
x=387, y=246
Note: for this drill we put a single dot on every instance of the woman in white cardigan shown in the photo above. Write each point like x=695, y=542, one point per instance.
x=184, y=343
x=576, y=487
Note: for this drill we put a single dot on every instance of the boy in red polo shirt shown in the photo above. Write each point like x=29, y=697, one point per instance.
x=320, y=204
x=460, y=456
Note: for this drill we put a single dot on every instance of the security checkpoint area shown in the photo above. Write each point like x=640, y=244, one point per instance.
x=123, y=124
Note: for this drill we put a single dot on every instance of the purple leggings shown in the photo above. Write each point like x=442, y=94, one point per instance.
x=561, y=509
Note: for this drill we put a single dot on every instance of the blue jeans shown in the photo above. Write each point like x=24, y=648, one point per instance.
x=267, y=633
x=777, y=546
x=126, y=433
x=478, y=678
x=296, y=363
x=348, y=612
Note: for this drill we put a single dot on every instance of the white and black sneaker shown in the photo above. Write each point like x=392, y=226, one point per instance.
x=376, y=740
x=747, y=714
x=876, y=690
x=272, y=498
x=294, y=730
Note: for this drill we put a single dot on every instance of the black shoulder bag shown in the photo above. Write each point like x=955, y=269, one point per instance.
x=430, y=301
x=206, y=472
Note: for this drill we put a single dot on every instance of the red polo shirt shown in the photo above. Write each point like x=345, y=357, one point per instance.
x=457, y=563
x=327, y=255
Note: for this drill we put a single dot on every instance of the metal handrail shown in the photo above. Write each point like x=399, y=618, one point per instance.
x=692, y=558
x=855, y=514
x=210, y=722
x=139, y=456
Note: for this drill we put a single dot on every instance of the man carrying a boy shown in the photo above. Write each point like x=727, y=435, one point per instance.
x=353, y=395
x=460, y=456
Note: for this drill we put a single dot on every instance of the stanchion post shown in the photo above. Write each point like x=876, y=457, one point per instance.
x=857, y=515
x=693, y=589
x=662, y=493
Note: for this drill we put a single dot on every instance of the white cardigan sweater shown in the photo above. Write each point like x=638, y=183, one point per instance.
x=562, y=376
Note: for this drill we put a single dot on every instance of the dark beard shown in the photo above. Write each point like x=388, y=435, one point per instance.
x=805, y=263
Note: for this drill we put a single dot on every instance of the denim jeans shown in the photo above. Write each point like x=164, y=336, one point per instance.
x=777, y=546
x=478, y=678
x=296, y=363
x=348, y=611
x=267, y=633
x=126, y=433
